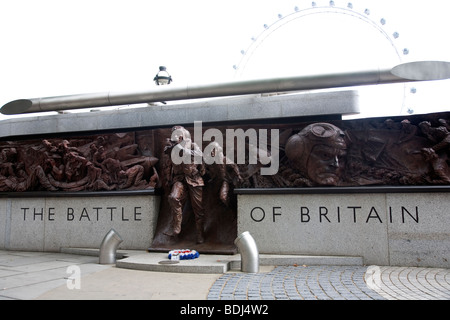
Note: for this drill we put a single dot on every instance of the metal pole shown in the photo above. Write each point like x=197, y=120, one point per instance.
x=109, y=246
x=249, y=252
x=414, y=71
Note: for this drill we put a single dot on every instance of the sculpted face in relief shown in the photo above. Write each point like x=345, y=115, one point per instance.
x=318, y=151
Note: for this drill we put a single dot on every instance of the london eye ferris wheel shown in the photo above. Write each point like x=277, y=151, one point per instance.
x=331, y=36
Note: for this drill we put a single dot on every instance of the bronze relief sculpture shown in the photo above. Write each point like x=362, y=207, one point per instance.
x=104, y=162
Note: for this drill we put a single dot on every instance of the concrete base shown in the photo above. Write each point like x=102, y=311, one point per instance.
x=224, y=263
x=210, y=263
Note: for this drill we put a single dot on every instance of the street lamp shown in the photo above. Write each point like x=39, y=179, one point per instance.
x=162, y=77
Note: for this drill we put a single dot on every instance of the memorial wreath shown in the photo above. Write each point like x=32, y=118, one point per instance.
x=183, y=254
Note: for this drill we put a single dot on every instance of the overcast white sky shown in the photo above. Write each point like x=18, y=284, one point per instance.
x=60, y=47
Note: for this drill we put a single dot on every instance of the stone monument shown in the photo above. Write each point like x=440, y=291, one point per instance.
x=287, y=168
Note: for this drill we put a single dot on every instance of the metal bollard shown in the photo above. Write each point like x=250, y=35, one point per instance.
x=109, y=246
x=249, y=252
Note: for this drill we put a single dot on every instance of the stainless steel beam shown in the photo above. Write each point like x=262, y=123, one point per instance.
x=413, y=71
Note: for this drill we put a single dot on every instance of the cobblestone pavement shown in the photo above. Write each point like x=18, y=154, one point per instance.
x=409, y=283
x=334, y=283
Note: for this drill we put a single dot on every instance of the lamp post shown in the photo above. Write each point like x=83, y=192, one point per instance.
x=162, y=77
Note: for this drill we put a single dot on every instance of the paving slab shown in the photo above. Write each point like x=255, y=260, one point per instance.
x=27, y=275
x=126, y=284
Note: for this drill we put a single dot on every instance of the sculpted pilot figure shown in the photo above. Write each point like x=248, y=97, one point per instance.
x=318, y=152
x=223, y=170
x=186, y=180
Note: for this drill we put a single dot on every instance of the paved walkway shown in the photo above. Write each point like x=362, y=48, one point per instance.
x=38, y=275
x=335, y=283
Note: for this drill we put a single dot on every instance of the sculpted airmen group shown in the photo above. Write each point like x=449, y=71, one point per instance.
x=185, y=180
x=76, y=165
